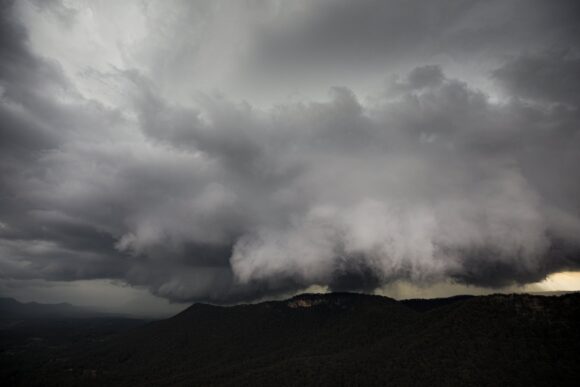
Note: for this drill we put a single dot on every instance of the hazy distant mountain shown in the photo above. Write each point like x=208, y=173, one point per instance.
x=10, y=309
x=337, y=339
x=33, y=334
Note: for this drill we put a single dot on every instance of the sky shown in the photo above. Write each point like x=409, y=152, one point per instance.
x=158, y=153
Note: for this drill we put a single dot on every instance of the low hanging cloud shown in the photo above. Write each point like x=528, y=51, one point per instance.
x=209, y=197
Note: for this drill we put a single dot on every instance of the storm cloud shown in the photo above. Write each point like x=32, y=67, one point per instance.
x=226, y=152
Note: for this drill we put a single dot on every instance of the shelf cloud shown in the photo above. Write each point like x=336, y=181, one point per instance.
x=226, y=152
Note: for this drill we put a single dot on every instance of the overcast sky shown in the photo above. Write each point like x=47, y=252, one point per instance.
x=233, y=151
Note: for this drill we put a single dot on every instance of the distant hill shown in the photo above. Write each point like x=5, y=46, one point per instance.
x=10, y=309
x=338, y=339
x=33, y=334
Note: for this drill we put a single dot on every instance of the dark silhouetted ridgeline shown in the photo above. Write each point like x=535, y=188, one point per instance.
x=338, y=339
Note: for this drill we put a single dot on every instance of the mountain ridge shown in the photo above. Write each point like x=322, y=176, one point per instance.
x=339, y=339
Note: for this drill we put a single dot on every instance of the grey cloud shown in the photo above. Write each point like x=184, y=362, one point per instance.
x=206, y=197
x=551, y=76
x=426, y=76
x=332, y=40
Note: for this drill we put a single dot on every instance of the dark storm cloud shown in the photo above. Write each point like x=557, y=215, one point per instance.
x=113, y=171
x=344, y=39
x=549, y=76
